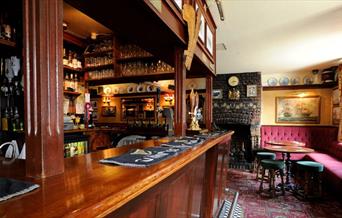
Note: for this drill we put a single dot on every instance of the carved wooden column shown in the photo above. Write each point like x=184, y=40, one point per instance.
x=180, y=94
x=209, y=101
x=43, y=72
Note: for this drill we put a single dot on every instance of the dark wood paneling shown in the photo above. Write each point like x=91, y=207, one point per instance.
x=43, y=72
x=74, y=40
x=209, y=183
x=180, y=93
x=209, y=102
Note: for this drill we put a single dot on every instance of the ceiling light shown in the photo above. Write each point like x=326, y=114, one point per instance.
x=93, y=35
x=65, y=26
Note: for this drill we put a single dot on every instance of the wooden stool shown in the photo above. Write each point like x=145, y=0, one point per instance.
x=263, y=156
x=312, y=177
x=274, y=167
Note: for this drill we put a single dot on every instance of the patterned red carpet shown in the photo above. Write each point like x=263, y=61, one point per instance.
x=256, y=206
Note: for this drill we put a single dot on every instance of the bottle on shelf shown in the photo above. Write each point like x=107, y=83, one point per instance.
x=6, y=28
x=65, y=58
x=75, y=83
x=66, y=81
x=71, y=82
x=16, y=121
x=4, y=120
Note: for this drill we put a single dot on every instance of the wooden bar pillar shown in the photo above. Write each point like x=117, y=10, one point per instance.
x=209, y=102
x=42, y=65
x=180, y=93
x=208, y=192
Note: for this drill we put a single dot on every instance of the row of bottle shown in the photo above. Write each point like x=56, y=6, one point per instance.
x=11, y=120
x=71, y=82
x=7, y=30
x=75, y=148
x=72, y=59
x=141, y=68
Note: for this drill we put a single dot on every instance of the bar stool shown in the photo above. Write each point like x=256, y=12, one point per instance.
x=274, y=167
x=312, y=177
x=263, y=156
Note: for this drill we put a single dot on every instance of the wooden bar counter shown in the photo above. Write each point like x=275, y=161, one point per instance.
x=178, y=187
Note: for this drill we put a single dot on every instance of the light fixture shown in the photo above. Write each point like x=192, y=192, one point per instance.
x=65, y=25
x=94, y=35
x=220, y=9
x=302, y=95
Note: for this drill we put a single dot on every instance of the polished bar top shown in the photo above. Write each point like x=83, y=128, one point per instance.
x=88, y=188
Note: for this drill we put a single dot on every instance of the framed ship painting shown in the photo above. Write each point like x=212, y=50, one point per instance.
x=298, y=110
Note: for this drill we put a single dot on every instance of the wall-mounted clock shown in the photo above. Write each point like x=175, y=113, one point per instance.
x=233, y=81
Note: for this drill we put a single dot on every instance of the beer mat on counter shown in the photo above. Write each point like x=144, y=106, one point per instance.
x=10, y=188
x=209, y=135
x=144, y=157
x=184, y=142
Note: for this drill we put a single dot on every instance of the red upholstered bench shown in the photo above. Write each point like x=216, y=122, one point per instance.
x=321, y=138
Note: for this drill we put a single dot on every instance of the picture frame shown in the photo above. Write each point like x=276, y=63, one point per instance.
x=336, y=115
x=300, y=110
x=179, y=4
x=209, y=40
x=108, y=111
x=217, y=93
x=336, y=97
x=201, y=33
x=252, y=91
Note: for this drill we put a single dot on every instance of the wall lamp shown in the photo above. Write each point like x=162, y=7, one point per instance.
x=220, y=9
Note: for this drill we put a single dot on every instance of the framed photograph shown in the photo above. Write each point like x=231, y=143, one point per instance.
x=209, y=41
x=217, y=93
x=336, y=97
x=202, y=29
x=252, y=91
x=298, y=109
x=336, y=115
x=179, y=3
x=108, y=111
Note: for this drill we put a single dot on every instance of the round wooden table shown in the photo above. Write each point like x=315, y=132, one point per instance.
x=286, y=143
x=288, y=149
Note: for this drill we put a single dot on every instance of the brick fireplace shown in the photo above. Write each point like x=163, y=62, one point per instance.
x=239, y=114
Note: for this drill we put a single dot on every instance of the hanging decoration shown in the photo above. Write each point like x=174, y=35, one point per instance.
x=194, y=20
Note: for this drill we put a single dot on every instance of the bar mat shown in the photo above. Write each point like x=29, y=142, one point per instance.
x=10, y=188
x=144, y=157
x=184, y=142
x=209, y=135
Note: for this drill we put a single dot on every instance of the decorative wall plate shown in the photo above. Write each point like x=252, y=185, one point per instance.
x=130, y=89
x=272, y=81
x=295, y=81
x=192, y=85
x=116, y=90
x=284, y=81
x=140, y=88
x=307, y=80
x=149, y=88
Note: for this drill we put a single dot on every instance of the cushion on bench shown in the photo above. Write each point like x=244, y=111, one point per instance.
x=317, y=137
